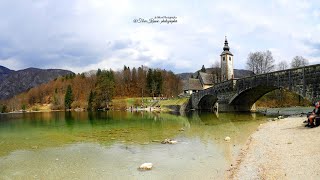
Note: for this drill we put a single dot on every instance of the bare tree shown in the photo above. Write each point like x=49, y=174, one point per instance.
x=299, y=61
x=260, y=62
x=282, y=65
x=216, y=71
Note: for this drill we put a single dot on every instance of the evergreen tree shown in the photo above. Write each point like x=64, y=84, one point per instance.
x=150, y=82
x=104, y=89
x=68, y=99
x=134, y=83
x=158, y=80
x=3, y=109
x=99, y=72
x=90, y=101
x=203, y=69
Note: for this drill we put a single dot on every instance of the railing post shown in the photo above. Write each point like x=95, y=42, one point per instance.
x=304, y=83
x=278, y=80
x=290, y=80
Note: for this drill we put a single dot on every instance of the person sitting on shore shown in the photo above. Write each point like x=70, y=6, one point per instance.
x=313, y=115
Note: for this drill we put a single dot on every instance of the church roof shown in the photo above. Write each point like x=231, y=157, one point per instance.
x=206, y=78
x=226, y=52
x=193, y=84
x=226, y=49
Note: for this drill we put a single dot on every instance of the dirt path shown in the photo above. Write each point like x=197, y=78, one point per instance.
x=282, y=149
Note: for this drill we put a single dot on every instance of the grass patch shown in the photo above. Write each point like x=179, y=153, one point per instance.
x=175, y=101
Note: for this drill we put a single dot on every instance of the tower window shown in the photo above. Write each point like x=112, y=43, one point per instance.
x=223, y=58
x=229, y=58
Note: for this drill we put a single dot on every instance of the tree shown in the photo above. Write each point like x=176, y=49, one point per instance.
x=104, y=89
x=260, y=62
x=141, y=80
x=299, y=61
x=134, y=82
x=90, y=101
x=203, y=69
x=3, y=109
x=98, y=72
x=282, y=65
x=68, y=99
x=216, y=71
x=150, y=80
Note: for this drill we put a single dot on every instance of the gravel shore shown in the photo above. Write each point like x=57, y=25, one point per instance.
x=282, y=149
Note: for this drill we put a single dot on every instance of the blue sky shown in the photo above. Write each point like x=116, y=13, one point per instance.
x=82, y=35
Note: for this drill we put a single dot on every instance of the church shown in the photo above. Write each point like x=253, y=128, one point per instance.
x=212, y=76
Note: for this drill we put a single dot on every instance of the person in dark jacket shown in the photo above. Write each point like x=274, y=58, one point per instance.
x=313, y=115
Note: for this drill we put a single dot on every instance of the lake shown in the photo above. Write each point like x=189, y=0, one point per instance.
x=112, y=145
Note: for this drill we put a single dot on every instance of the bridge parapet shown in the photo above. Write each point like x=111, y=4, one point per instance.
x=241, y=94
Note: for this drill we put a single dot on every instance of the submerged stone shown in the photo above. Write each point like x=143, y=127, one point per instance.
x=227, y=138
x=146, y=166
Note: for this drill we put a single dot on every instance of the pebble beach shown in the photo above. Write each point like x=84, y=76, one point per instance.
x=282, y=149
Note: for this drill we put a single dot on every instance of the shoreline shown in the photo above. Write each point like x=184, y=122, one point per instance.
x=282, y=149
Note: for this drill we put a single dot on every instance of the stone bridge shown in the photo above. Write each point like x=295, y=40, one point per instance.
x=241, y=94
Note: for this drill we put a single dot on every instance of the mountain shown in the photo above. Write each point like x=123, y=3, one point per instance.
x=185, y=76
x=4, y=72
x=16, y=82
x=238, y=73
x=241, y=73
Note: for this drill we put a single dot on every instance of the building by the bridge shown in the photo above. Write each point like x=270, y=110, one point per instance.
x=212, y=76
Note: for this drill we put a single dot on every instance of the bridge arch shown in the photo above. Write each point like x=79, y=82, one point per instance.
x=207, y=102
x=248, y=97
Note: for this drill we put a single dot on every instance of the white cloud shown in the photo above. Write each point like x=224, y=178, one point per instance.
x=13, y=63
x=88, y=34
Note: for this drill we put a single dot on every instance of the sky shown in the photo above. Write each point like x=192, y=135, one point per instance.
x=83, y=35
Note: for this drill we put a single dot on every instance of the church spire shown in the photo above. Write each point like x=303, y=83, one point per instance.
x=226, y=46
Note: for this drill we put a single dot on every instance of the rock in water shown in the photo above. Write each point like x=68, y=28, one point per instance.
x=169, y=141
x=173, y=142
x=227, y=139
x=146, y=166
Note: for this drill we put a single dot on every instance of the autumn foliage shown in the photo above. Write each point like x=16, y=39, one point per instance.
x=97, y=91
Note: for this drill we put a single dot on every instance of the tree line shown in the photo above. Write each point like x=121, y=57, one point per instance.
x=97, y=91
x=261, y=62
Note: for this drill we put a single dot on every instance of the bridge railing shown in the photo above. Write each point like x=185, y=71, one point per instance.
x=295, y=79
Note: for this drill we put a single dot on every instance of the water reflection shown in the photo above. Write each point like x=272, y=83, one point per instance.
x=112, y=144
x=124, y=127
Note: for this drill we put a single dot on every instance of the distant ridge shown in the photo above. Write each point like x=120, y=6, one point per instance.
x=16, y=82
x=238, y=73
x=4, y=72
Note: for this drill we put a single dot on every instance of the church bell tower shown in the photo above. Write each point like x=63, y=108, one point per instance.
x=226, y=63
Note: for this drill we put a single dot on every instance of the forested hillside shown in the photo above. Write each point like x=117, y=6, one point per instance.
x=96, y=91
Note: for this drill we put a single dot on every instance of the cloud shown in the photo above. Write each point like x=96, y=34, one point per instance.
x=81, y=35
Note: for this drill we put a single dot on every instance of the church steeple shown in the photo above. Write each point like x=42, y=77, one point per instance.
x=226, y=62
x=226, y=46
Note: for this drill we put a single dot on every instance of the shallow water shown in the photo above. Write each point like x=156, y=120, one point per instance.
x=286, y=111
x=112, y=145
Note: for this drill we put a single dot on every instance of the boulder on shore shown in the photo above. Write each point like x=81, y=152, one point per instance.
x=169, y=141
x=227, y=139
x=146, y=166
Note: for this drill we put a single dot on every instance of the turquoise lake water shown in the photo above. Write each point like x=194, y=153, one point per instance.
x=112, y=145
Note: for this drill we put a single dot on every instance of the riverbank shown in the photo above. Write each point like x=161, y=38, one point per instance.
x=282, y=149
x=172, y=105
